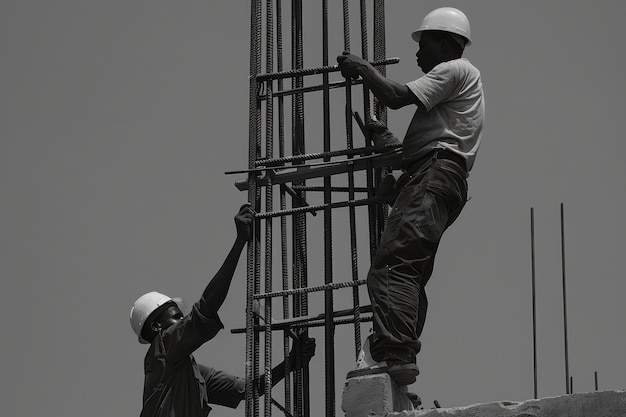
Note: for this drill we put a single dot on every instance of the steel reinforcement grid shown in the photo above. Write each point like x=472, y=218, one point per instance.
x=345, y=177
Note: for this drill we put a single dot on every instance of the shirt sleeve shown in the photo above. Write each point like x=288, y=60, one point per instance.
x=184, y=337
x=223, y=388
x=435, y=87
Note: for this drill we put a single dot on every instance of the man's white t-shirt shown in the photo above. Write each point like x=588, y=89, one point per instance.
x=453, y=95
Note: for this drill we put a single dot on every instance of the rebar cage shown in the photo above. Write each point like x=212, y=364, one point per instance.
x=298, y=169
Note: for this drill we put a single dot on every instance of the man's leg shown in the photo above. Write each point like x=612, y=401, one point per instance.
x=425, y=207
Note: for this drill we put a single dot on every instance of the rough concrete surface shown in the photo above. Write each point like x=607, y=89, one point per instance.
x=591, y=404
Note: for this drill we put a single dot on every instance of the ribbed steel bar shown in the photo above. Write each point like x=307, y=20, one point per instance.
x=368, y=150
x=305, y=324
x=309, y=209
x=283, y=200
x=269, y=204
x=301, y=400
x=380, y=111
x=254, y=138
x=309, y=89
x=332, y=189
x=317, y=70
x=307, y=290
x=329, y=354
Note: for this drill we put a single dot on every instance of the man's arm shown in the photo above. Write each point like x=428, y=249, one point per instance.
x=390, y=93
x=278, y=372
x=216, y=291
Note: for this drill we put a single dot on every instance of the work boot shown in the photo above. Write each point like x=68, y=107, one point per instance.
x=401, y=373
x=415, y=400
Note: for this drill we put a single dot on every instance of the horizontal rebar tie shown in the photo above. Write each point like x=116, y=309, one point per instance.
x=315, y=71
x=308, y=209
x=331, y=86
x=309, y=289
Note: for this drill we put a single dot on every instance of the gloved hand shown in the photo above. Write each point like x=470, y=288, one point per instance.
x=381, y=137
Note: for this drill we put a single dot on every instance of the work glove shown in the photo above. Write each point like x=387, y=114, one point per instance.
x=382, y=138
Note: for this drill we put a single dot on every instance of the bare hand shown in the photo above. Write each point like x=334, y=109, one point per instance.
x=308, y=349
x=350, y=64
x=244, y=221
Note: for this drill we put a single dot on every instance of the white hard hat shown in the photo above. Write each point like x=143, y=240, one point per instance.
x=446, y=19
x=146, y=305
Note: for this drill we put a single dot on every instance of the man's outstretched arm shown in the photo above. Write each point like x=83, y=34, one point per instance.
x=216, y=291
x=391, y=93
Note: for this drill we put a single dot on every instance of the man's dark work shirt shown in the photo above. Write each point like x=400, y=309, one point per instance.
x=174, y=385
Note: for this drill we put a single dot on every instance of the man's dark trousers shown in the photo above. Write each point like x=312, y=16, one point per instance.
x=429, y=199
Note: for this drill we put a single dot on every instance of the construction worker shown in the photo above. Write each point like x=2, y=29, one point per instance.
x=175, y=385
x=438, y=151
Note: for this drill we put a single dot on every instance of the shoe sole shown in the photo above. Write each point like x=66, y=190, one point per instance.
x=401, y=374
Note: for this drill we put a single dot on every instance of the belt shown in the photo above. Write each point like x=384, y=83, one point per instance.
x=434, y=155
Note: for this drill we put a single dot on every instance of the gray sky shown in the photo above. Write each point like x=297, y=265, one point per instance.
x=119, y=120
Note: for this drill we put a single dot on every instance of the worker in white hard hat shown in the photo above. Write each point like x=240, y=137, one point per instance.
x=175, y=385
x=438, y=151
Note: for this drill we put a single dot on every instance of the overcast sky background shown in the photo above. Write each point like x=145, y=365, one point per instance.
x=120, y=118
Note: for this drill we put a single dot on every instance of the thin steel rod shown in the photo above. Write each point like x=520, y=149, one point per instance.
x=317, y=71
x=333, y=189
x=595, y=379
x=567, y=380
x=368, y=150
x=532, y=256
x=269, y=204
x=328, y=241
x=306, y=324
x=283, y=202
x=309, y=209
x=254, y=138
x=300, y=305
x=310, y=89
x=380, y=110
x=307, y=290
x=309, y=324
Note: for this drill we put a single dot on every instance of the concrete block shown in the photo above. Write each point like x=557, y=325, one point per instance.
x=373, y=395
x=591, y=404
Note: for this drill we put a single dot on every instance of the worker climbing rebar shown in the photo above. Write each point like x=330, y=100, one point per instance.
x=175, y=385
x=438, y=151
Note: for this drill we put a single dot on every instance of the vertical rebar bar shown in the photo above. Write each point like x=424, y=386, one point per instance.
x=254, y=139
x=532, y=256
x=283, y=199
x=380, y=111
x=301, y=400
x=567, y=381
x=269, y=204
x=329, y=376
